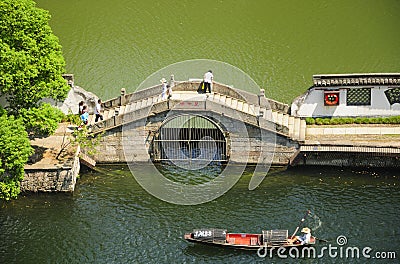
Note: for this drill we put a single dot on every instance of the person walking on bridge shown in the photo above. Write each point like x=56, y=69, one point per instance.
x=97, y=111
x=208, y=80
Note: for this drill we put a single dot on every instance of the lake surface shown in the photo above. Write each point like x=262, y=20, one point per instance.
x=280, y=44
x=111, y=219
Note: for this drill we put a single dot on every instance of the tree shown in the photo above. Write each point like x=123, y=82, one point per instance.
x=15, y=150
x=31, y=68
x=41, y=121
x=31, y=61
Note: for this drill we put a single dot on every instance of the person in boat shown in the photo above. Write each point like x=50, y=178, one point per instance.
x=304, y=238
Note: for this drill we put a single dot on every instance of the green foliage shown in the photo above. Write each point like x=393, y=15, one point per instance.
x=31, y=62
x=82, y=138
x=72, y=118
x=348, y=120
x=310, y=121
x=15, y=150
x=86, y=141
x=358, y=120
x=318, y=121
x=41, y=121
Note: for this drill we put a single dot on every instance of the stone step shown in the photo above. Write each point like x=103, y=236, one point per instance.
x=111, y=113
x=285, y=120
x=234, y=103
x=274, y=116
x=267, y=114
x=105, y=114
x=239, y=105
x=228, y=101
x=133, y=106
x=149, y=101
x=88, y=161
x=122, y=110
x=211, y=97
x=279, y=118
x=138, y=105
x=116, y=110
x=144, y=102
x=128, y=108
x=246, y=107
x=222, y=99
x=256, y=110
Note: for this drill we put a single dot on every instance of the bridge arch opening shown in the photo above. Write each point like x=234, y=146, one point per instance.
x=190, y=140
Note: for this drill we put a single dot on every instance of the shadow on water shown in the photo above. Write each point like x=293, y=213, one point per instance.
x=200, y=250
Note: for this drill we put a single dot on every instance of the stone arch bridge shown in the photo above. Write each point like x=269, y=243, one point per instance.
x=227, y=125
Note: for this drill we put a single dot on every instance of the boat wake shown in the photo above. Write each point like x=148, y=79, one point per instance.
x=316, y=222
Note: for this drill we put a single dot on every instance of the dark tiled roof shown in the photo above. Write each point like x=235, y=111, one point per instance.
x=358, y=79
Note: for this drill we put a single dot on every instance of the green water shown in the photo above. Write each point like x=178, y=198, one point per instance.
x=280, y=44
x=111, y=219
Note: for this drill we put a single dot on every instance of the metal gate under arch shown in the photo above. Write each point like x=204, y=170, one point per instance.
x=190, y=138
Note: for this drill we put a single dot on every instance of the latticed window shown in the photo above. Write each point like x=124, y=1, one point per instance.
x=360, y=96
x=393, y=95
x=190, y=138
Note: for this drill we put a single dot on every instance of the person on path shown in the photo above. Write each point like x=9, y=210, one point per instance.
x=208, y=80
x=97, y=111
x=85, y=115
x=80, y=109
x=164, y=89
x=169, y=91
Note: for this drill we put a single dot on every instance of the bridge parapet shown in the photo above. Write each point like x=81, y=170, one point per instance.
x=251, y=98
x=184, y=100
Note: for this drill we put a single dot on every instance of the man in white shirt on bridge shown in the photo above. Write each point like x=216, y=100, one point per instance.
x=97, y=111
x=208, y=79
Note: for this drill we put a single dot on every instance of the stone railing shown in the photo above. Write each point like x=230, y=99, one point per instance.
x=220, y=88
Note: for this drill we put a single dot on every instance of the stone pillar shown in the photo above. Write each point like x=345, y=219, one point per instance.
x=291, y=126
x=268, y=114
x=296, y=128
x=69, y=78
x=122, y=99
x=279, y=118
x=285, y=120
x=303, y=126
x=274, y=116
x=262, y=100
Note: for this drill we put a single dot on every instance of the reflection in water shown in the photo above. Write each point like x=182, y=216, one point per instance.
x=192, y=177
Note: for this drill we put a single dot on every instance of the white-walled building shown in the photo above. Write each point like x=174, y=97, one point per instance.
x=350, y=95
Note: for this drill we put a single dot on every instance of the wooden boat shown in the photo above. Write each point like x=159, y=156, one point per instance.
x=267, y=239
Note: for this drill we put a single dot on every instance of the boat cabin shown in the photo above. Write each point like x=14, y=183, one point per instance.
x=350, y=95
